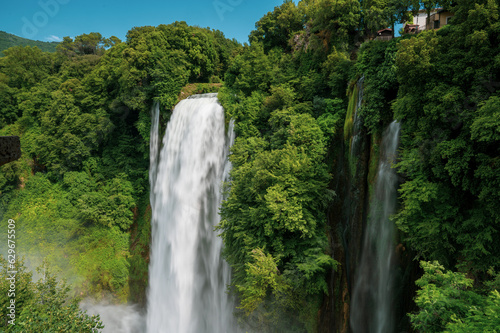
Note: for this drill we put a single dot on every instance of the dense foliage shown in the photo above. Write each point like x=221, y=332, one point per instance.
x=80, y=192
x=9, y=40
x=43, y=305
x=441, y=85
x=277, y=200
x=287, y=97
x=447, y=103
x=447, y=303
x=447, y=94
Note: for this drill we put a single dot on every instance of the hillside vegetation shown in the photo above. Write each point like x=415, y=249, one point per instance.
x=80, y=193
x=9, y=40
x=287, y=92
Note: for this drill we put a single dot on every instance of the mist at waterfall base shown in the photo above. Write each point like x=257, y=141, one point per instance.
x=121, y=318
x=187, y=275
x=371, y=306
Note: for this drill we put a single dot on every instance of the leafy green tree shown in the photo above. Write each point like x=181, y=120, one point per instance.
x=380, y=14
x=24, y=67
x=102, y=264
x=8, y=108
x=337, y=69
x=447, y=95
x=276, y=28
x=332, y=116
x=68, y=135
x=83, y=116
x=111, y=205
x=335, y=21
x=273, y=219
x=247, y=115
x=447, y=303
x=376, y=63
x=22, y=293
x=250, y=71
x=42, y=305
x=79, y=67
x=443, y=294
x=50, y=309
x=86, y=44
x=483, y=319
x=262, y=276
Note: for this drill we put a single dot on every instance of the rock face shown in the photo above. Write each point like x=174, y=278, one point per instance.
x=347, y=220
x=347, y=216
x=354, y=161
x=10, y=149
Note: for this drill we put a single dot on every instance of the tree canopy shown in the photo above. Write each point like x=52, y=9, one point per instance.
x=80, y=192
x=83, y=116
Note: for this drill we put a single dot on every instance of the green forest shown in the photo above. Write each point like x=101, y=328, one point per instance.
x=79, y=195
x=9, y=40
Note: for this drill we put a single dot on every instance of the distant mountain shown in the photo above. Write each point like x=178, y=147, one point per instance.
x=8, y=40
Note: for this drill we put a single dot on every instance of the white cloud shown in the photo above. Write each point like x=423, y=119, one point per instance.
x=53, y=38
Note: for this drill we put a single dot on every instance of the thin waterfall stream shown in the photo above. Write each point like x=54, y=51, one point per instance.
x=371, y=306
x=187, y=275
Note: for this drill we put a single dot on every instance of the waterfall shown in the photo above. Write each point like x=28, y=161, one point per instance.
x=371, y=309
x=187, y=276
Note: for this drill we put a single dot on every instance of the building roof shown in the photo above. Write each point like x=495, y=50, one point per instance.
x=384, y=30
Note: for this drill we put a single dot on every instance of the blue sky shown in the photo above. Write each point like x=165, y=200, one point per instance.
x=51, y=20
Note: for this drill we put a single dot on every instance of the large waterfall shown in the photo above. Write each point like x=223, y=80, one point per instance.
x=371, y=306
x=187, y=276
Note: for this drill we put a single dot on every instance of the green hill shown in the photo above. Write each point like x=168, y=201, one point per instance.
x=9, y=40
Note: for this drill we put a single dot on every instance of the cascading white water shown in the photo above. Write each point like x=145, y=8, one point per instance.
x=117, y=318
x=371, y=309
x=187, y=276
